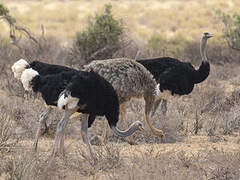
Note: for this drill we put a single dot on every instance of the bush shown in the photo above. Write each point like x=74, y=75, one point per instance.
x=3, y=10
x=6, y=136
x=101, y=39
x=231, y=31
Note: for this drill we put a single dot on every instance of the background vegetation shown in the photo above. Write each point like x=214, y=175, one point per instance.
x=201, y=129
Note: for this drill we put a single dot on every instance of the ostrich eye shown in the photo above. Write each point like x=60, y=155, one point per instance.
x=206, y=34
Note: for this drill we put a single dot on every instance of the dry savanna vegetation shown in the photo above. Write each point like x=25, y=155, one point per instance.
x=201, y=130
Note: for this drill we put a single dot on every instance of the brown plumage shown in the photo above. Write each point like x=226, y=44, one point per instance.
x=129, y=79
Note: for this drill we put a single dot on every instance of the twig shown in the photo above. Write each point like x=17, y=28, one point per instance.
x=29, y=35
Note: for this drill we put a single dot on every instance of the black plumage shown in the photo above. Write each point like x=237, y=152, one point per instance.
x=50, y=98
x=96, y=94
x=50, y=86
x=48, y=69
x=174, y=75
x=92, y=90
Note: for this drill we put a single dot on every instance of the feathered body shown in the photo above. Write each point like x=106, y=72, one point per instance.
x=91, y=89
x=95, y=94
x=174, y=75
x=129, y=79
x=50, y=86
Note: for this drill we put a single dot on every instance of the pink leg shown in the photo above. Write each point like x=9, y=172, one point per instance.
x=41, y=123
x=60, y=132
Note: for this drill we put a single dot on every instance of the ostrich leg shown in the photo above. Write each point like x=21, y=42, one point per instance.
x=123, y=111
x=84, y=133
x=60, y=132
x=155, y=106
x=41, y=123
x=148, y=107
x=164, y=107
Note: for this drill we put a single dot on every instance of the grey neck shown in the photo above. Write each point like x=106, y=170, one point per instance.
x=127, y=132
x=203, y=46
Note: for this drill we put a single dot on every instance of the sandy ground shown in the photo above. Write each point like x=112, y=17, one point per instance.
x=191, y=145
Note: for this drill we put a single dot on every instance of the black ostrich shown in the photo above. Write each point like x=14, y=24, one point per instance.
x=85, y=92
x=176, y=77
x=43, y=69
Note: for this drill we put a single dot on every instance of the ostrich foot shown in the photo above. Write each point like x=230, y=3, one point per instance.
x=58, y=153
x=158, y=133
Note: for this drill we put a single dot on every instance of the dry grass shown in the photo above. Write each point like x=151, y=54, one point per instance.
x=189, y=18
x=193, y=158
x=181, y=155
x=201, y=129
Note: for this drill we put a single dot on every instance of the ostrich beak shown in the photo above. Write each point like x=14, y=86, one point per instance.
x=210, y=35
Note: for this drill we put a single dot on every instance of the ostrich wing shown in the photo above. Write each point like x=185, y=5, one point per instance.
x=176, y=80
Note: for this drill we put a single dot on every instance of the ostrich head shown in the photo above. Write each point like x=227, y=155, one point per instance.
x=26, y=78
x=207, y=35
x=18, y=67
x=139, y=126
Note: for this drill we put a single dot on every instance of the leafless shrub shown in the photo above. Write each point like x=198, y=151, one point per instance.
x=52, y=51
x=16, y=167
x=211, y=126
x=215, y=139
x=29, y=165
x=7, y=52
x=185, y=160
x=6, y=136
x=108, y=158
x=224, y=166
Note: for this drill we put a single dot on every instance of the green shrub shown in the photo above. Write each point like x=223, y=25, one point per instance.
x=231, y=31
x=3, y=10
x=101, y=39
x=4, y=14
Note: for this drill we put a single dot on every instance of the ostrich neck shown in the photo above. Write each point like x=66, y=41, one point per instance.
x=125, y=133
x=202, y=73
x=203, y=49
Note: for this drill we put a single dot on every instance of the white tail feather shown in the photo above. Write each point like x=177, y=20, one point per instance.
x=158, y=90
x=73, y=104
x=62, y=101
x=69, y=101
